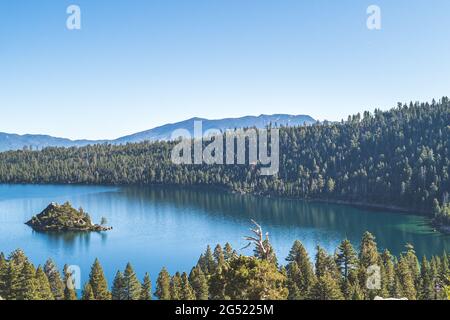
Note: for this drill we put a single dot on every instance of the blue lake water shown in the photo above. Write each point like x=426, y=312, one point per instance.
x=167, y=226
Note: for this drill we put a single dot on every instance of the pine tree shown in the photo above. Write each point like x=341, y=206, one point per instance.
x=228, y=253
x=43, y=285
x=368, y=257
x=413, y=264
x=12, y=282
x=88, y=293
x=368, y=252
x=98, y=282
x=254, y=279
x=388, y=277
x=347, y=261
x=426, y=281
x=199, y=283
x=187, y=292
x=300, y=272
x=146, y=288
x=131, y=284
x=346, y=258
x=28, y=283
x=213, y=289
x=219, y=257
x=326, y=288
x=405, y=280
x=18, y=258
x=118, y=288
x=175, y=287
x=325, y=263
x=69, y=285
x=163, y=285
x=207, y=262
x=54, y=278
x=3, y=275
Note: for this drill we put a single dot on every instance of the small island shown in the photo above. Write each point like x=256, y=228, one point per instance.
x=60, y=218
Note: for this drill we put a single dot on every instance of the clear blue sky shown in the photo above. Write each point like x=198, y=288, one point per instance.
x=138, y=64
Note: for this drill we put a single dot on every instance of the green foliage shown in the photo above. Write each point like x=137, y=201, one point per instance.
x=395, y=158
x=187, y=292
x=62, y=218
x=326, y=288
x=146, y=288
x=132, y=286
x=249, y=278
x=300, y=272
x=98, y=282
x=54, y=277
x=175, y=287
x=238, y=277
x=88, y=293
x=44, y=291
x=199, y=283
x=118, y=287
x=163, y=285
x=28, y=284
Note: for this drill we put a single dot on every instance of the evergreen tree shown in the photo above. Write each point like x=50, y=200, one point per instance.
x=28, y=287
x=215, y=286
x=98, y=282
x=426, y=281
x=405, y=280
x=199, y=283
x=187, y=292
x=413, y=264
x=254, y=279
x=88, y=293
x=207, y=262
x=44, y=291
x=346, y=258
x=219, y=257
x=368, y=257
x=131, y=284
x=118, y=287
x=146, y=288
x=12, y=282
x=299, y=271
x=3, y=275
x=326, y=288
x=388, y=277
x=175, y=287
x=228, y=253
x=325, y=263
x=163, y=285
x=54, y=278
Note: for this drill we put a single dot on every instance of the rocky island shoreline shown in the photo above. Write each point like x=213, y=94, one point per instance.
x=61, y=218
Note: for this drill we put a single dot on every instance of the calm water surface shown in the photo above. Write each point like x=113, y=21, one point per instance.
x=163, y=226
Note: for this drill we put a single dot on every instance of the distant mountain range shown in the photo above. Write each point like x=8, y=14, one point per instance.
x=17, y=142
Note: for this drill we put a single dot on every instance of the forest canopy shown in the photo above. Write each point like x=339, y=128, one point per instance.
x=397, y=158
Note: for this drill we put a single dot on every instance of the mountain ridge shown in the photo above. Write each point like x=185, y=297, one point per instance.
x=11, y=141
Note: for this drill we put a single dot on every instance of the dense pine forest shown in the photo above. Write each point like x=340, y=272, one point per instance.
x=223, y=274
x=398, y=158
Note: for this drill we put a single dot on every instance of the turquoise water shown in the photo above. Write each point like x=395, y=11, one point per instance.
x=167, y=226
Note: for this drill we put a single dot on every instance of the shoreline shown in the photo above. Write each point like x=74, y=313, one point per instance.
x=396, y=209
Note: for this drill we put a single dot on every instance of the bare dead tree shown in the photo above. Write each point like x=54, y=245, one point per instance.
x=262, y=245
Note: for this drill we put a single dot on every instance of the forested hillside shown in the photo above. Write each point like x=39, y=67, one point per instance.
x=395, y=158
